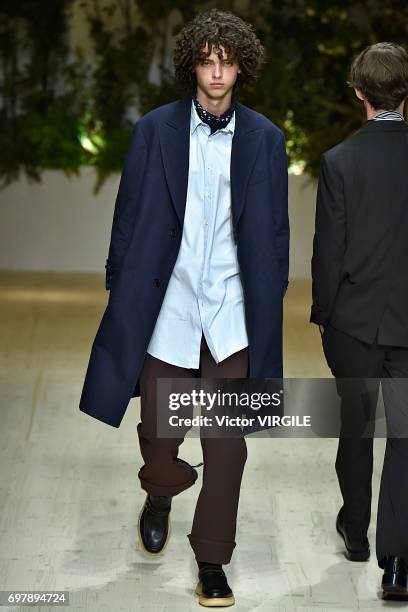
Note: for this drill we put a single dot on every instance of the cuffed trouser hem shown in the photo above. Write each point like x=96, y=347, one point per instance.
x=211, y=551
x=171, y=489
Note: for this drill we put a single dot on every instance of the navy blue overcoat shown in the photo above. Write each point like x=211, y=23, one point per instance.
x=146, y=236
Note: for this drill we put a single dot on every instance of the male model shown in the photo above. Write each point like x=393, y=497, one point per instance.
x=360, y=302
x=197, y=271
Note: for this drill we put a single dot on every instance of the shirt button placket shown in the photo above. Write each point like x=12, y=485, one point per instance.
x=206, y=211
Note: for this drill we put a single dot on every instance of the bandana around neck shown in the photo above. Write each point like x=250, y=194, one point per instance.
x=214, y=121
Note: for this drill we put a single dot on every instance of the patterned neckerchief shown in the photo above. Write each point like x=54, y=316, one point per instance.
x=213, y=121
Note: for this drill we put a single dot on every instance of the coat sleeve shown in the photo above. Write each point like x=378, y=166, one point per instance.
x=282, y=231
x=329, y=241
x=126, y=204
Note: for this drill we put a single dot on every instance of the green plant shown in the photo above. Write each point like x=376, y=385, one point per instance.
x=62, y=110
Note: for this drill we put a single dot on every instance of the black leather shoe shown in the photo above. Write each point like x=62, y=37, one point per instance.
x=394, y=581
x=212, y=589
x=154, y=524
x=356, y=550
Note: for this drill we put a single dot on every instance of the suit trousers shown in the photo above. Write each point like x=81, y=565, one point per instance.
x=212, y=536
x=350, y=358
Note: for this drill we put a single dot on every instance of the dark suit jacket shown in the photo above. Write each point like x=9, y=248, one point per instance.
x=360, y=247
x=146, y=236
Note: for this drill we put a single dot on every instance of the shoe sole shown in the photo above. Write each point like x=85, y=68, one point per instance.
x=147, y=552
x=213, y=602
x=353, y=556
x=394, y=592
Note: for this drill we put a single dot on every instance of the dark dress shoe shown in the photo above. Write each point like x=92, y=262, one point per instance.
x=212, y=589
x=154, y=524
x=394, y=581
x=356, y=550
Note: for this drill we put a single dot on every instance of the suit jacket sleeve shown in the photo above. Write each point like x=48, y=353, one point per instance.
x=329, y=241
x=126, y=204
x=282, y=231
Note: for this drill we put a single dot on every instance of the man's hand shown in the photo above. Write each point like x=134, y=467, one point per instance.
x=322, y=328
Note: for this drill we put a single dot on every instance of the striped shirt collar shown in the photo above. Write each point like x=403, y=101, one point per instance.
x=388, y=116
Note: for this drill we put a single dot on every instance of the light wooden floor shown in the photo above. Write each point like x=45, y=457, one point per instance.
x=70, y=496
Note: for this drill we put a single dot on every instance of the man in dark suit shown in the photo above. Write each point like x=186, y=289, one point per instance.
x=360, y=302
x=197, y=271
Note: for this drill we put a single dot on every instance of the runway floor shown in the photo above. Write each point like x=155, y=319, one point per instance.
x=70, y=496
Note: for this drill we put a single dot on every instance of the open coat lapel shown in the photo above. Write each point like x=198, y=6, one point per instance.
x=175, y=149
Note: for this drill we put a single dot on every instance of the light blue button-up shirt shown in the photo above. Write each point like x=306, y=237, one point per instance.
x=204, y=294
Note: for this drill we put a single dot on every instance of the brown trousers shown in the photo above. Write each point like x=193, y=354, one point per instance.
x=212, y=536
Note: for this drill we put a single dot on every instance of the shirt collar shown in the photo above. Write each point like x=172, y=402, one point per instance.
x=388, y=115
x=196, y=121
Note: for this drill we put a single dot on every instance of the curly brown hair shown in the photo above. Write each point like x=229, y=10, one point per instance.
x=218, y=28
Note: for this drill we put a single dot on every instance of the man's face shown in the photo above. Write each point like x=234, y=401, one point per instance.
x=216, y=75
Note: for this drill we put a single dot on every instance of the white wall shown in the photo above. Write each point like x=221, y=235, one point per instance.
x=59, y=225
